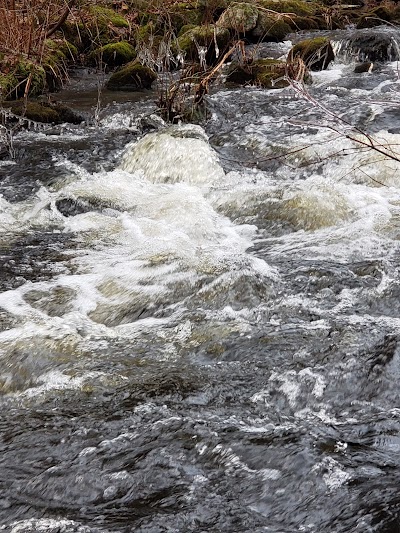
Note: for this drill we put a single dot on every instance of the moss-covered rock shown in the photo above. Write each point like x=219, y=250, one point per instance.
x=8, y=86
x=99, y=26
x=295, y=7
x=103, y=17
x=316, y=53
x=267, y=73
x=270, y=27
x=113, y=54
x=376, y=17
x=22, y=77
x=132, y=77
x=48, y=113
x=183, y=13
x=203, y=36
x=185, y=28
x=240, y=74
x=297, y=22
x=59, y=50
x=58, y=54
x=240, y=18
x=270, y=73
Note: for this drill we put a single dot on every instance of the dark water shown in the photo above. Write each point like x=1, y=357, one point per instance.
x=202, y=335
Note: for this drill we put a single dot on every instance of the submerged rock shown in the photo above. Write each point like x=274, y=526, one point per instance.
x=175, y=154
x=364, y=67
x=132, y=77
x=316, y=53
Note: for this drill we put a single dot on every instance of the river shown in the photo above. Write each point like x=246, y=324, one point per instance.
x=199, y=325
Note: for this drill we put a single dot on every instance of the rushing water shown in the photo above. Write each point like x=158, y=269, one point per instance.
x=199, y=328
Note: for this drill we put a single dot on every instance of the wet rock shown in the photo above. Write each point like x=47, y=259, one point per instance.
x=367, y=66
x=132, y=77
x=70, y=207
x=239, y=17
x=316, y=53
x=50, y=525
x=373, y=47
x=46, y=112
x=267, y=73
x=239, y=74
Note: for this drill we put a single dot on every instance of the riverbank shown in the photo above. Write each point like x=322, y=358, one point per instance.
x=134, y=43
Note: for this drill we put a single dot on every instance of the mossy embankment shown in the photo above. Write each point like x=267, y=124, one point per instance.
x=138, y=38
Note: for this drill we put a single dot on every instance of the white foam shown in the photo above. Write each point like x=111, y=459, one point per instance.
x=178, y=153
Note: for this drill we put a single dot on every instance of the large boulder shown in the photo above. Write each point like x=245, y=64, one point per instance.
x=132, y=77
x=239, y=18
x=373, y=47
x=316, y=53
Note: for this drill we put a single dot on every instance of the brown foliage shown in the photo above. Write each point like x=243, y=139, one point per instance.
x=26, y=24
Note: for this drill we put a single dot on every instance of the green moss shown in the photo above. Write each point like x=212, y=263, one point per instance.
x=376, y=17
x=131, y=77
x=104, y=16
x=239, y=17
x=8, y=84
x=14, y=82
x=44, y=112
x=69, y=50
x=297, y=7
x=114, y=54
x=143, y=33
x=268, y=73
x=297, y=22
x=317, y=53
x=204, y=36
x=182, y=14
x=270, y=28
x=34, y=111
x=100, y=26
x=185, y=28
